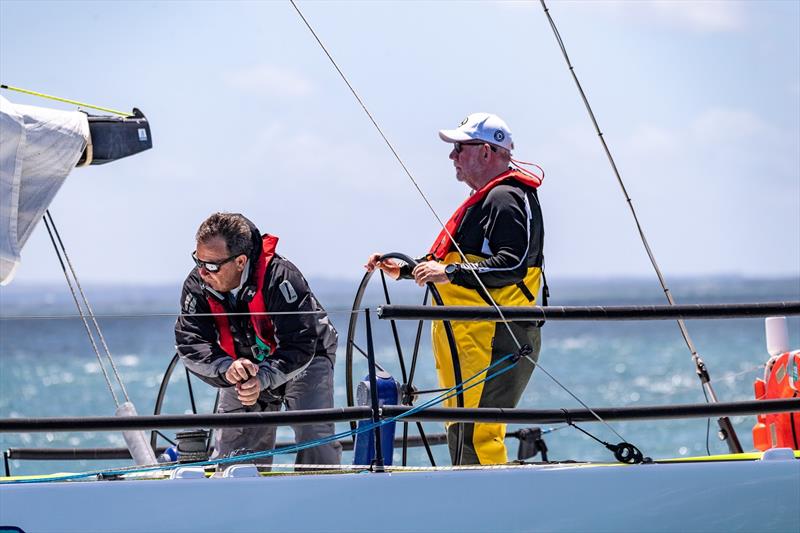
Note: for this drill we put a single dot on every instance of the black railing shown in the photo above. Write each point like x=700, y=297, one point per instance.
x=600, y=312
x=344, y=414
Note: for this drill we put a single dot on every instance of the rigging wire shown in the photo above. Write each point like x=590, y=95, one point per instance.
x=179, y=314
x=80, y=310
x=89, y=308
x=442, y=224
x=702, y=370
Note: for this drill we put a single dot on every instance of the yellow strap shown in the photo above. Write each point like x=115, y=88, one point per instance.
x=65, y=100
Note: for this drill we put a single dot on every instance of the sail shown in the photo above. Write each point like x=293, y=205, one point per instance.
x=38, y=149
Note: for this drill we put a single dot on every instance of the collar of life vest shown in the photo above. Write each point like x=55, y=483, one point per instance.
x=441, y=246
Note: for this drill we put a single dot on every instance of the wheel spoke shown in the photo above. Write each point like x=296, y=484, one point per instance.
x=394, y=331
x=172, y=442
x=405, y=443
x=429, y=391
x=362, y=352
x=415, y=354
x=425, y=443
x=191, y=391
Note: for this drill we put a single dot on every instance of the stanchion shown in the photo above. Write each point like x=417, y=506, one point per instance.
x=373, y=392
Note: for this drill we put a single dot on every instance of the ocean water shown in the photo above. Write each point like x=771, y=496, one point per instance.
x=48, y=367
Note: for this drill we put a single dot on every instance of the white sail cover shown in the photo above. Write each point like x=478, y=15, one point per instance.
x=38, y=149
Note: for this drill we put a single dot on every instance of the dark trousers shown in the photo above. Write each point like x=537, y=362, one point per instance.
x=311, y=389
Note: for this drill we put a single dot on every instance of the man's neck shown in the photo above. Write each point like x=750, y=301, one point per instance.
x=489, y=176
x=245, y=275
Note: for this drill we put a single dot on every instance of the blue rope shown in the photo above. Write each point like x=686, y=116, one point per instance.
x=446, y=395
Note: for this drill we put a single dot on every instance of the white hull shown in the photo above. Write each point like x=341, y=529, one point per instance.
x=716, y=496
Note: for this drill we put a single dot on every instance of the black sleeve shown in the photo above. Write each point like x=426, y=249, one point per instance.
x=506, y=228
x=196, y=336
x=296, y=333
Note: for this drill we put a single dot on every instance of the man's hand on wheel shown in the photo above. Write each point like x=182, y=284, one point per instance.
x=390, y=267
x=430, y=272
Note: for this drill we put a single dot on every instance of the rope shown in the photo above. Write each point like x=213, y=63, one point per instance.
x=623, y=452
x=65, y=100
x=441, y=223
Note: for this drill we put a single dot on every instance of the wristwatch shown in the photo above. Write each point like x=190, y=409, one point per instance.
x=451, y=270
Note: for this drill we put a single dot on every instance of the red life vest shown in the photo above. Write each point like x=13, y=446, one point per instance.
x=443, y=242
x=262, y=324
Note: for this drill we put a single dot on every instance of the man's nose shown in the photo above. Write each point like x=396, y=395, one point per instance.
x=453, y=154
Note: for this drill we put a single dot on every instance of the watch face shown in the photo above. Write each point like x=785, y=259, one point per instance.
x=450, y=269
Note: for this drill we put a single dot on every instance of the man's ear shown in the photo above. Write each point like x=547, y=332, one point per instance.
x=240, y=262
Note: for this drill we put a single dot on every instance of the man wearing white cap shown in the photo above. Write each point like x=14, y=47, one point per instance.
x=498, y=259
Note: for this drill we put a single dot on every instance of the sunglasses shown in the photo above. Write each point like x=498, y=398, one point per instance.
x=212, y=266
x=458, y=147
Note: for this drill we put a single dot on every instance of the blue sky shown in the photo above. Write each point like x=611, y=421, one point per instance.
x=699, y=102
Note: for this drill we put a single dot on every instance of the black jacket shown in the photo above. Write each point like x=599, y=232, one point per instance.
x=300, y=337
x=506, y=230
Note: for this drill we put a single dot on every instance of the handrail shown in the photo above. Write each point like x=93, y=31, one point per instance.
x=219, y=420
x=482, y=414
x=601, y=312
x=553, y=416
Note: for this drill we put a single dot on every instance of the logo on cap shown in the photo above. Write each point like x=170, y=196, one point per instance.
x=499, y=135
x=464, y=121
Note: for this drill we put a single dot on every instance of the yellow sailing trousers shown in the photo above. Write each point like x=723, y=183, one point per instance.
x=479, y=344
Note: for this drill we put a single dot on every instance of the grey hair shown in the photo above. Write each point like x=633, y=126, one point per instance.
x=505, y=155
x=234, y=228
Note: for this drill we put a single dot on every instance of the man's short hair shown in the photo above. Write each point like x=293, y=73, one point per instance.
x=234, y=228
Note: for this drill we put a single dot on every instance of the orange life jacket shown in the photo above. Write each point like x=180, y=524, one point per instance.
x=262, y=324
x=781, y=380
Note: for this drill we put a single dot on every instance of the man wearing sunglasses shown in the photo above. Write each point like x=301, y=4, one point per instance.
x=490, y=253
x=251, y=326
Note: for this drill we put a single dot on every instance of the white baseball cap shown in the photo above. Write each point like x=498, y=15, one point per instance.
x=484, y=127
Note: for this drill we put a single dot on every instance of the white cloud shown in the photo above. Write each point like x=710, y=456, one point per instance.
x=717, y=126
x=317, y=159
x=710, y=16
x=716, y=141
x=696, y=15
x=269, y=80
x=654, y=141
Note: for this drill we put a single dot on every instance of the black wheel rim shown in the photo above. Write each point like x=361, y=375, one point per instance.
x=407, y=377
x=162, y=393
